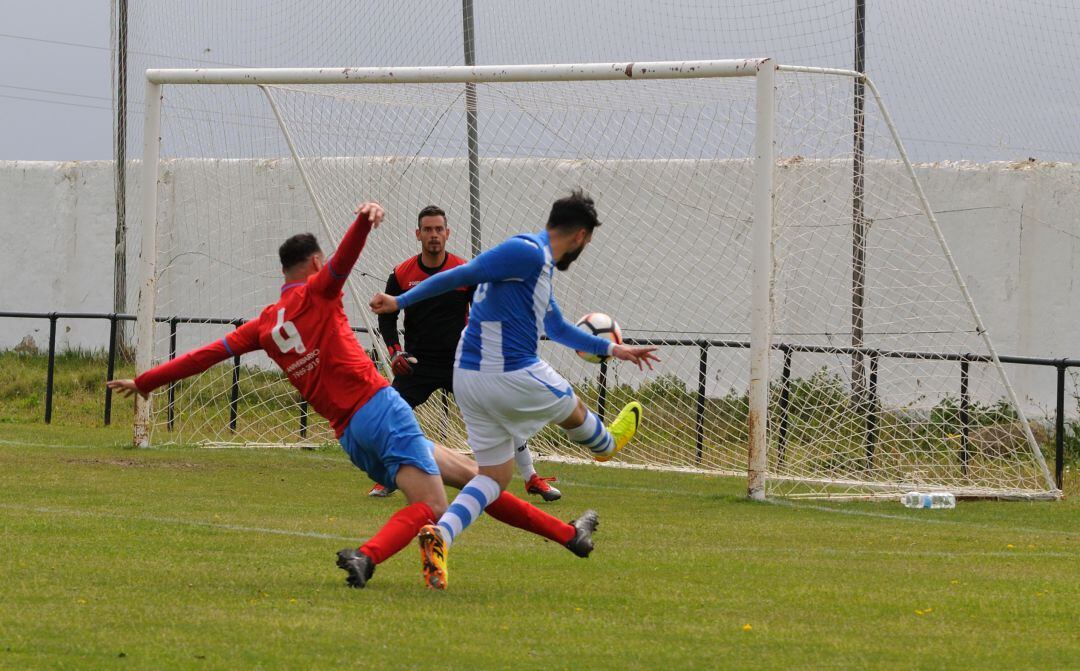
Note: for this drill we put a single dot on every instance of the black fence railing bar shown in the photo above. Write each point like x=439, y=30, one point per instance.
x=965, y=405
x=782, y=408
x=601, y=393
x=171, y=418
x=871, y=411
x=699, y=416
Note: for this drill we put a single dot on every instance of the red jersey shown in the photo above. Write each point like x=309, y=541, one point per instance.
x=307, y=334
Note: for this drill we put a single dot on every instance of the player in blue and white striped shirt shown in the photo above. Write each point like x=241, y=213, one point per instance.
x=506, y=393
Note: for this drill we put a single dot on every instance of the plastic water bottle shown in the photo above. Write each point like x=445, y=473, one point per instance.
x=929, y=500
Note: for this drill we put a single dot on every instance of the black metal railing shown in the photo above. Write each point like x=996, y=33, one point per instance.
x=872, y=404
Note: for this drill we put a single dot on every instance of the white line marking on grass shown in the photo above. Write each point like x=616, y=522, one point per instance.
x=20, y=443
x=842, y=511
x=162, y=449
x=644, y=490
x=922, y=520
x=837, y=552
x=70, y=512
x=944, y=554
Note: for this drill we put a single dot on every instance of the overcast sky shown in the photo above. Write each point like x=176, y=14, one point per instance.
x=55, y=83
x=977, y=79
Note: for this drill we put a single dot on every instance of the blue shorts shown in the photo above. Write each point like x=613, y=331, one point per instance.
x=383, y=436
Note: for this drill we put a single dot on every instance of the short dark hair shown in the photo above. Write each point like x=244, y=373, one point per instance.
x=573, y=212
x=430, y=211
x=297, y=249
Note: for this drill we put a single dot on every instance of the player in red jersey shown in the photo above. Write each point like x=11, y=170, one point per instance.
x=307, y=334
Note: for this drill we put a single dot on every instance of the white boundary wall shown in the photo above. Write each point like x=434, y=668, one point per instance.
x=1014, y=229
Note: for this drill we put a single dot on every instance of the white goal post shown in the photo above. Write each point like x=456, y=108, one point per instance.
x=760, y=168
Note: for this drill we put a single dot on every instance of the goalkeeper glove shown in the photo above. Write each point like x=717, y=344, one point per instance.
x=401, y=362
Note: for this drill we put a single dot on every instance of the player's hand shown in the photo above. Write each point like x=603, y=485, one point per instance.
x=125, y=388
x=383, y=304
x=402, y=362
x=638, y=355
x=373, y=211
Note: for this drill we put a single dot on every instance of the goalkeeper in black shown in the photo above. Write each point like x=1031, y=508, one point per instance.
x=432, y=329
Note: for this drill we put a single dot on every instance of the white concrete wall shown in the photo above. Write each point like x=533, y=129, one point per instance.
x=57, y=222
x=1013, y=229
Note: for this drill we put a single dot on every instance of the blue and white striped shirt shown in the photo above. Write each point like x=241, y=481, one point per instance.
x=513, y=306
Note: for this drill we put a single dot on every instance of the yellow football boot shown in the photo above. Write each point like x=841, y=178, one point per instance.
x=623, y=428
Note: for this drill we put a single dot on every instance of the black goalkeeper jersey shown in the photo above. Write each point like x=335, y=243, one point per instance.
x=432, y=327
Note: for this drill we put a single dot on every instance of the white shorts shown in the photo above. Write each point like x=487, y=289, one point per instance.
x=503, y=410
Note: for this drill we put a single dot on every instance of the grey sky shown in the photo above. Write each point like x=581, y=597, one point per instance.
x=74, y=123
x=992, y=79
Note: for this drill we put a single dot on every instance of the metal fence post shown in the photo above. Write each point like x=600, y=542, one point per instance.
x=859, y=223
x=234, y=397
x=468, y=23
x=699, y=423
x=872, y=412
x=785, y=401
x=303, y=418
x=965, y=416
x=172, y=385
x=52, y=365
x=111, y=368
x=1059, y=429
x=601, y=399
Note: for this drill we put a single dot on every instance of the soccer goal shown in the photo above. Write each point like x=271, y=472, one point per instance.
x=817, y=336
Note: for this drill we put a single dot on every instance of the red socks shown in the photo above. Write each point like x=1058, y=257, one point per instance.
x=511, y=510
x=403, y=526
x=400, y=530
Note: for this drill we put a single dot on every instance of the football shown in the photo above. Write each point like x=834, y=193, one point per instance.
x=599, y=324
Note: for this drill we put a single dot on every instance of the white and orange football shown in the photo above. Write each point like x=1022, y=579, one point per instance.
x=599, y=324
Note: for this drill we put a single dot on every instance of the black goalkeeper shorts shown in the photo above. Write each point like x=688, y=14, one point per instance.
x=418, y=386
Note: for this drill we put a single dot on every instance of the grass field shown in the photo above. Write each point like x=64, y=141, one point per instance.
x=194, y=558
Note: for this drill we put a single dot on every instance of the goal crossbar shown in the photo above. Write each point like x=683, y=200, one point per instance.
x=460, y=74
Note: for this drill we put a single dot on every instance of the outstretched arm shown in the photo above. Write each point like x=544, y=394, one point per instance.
x=388, y=322
x=331, y=278
x=514, y=259
x=242, y=340
x=400, y=361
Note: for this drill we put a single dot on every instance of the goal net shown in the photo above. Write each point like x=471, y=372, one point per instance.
x=872, y=373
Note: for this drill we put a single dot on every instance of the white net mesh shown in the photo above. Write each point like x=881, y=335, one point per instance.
x=882, y=401
x=670, y=164
x=1003, y=89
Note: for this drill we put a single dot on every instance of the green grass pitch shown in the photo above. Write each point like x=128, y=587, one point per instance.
x=195, y=558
